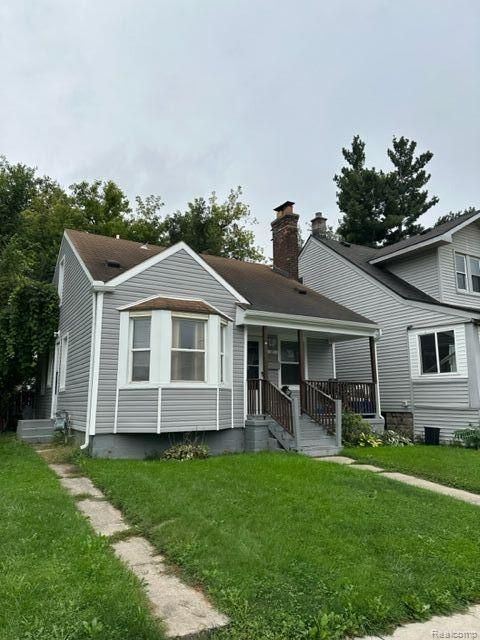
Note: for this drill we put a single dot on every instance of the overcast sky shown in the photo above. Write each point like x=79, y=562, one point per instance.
x=181, y=97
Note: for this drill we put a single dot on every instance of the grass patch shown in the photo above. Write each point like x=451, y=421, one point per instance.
x=453, y=466
x=287, y=546
x=59, y=580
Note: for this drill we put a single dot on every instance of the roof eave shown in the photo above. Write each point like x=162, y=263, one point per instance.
x=309, y=323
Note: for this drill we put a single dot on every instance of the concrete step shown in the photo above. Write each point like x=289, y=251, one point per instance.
x=320, y=452
x=37, y=439
x=29, y=431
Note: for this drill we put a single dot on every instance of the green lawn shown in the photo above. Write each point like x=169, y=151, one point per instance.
x=58, y=581
x=284, y=544
x=454, y=466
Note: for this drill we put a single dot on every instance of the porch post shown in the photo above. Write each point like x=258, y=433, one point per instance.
x=265, y=353
x=374, y=367
x=301, y=355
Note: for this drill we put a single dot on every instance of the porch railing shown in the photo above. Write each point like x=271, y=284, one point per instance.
x=357, y=397
x=263, y=397
x=318, y=405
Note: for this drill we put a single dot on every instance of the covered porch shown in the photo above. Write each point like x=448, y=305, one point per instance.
x=291, y=376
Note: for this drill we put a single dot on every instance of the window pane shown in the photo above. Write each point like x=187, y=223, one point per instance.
x=446, y=351
x=141, y=333
x=475, y=273
x=188, y=334
x=140, y=366
x=223, y=331
x=290, y=374
x=461, y=281
x=222, y=368
x=460, y=263
x=428, y=353
x=289, y=352
x=188, y=366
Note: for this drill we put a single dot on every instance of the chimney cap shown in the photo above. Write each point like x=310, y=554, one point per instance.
x=281, y=207
x=318, y=215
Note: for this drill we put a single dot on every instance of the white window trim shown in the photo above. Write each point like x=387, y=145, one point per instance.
x=468, y=274
x=62, y=371
x=61, y=279
x=199, y=318
x=437, y=374
x=161, y=350
x=131, y=349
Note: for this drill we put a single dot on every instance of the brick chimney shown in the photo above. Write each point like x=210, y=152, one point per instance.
x=285, y=240
x=319, y=226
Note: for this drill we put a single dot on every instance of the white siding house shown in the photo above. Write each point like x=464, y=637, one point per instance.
x=429, y=350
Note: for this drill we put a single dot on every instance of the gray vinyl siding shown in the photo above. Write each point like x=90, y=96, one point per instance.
x=453, y=394
x=466, y=241
x=137, y=410
x=447, y=420
x=189, y=410
x=76, y=319
x=341, y=281
x=182, y=409
x=225, y=408
x=319, y=359
x=421, y=270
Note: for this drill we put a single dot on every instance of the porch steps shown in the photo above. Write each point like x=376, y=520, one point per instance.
x=35, y=431
x=313, y=440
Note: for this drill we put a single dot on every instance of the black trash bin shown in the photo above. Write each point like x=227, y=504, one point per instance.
x=432, y=435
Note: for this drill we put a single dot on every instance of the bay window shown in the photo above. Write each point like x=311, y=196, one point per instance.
x=188, y=349
x=223, y=345
x=140, y=348
x=437, y=352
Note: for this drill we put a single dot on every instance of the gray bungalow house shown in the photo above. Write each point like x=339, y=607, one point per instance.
x=155, y=343
x=425, y=293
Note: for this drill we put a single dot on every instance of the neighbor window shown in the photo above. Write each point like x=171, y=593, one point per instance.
x=223, y=344
x=474, y=264
x=467, y=269
x=437, y=351
x=61, y=277
x=188, y=350
x=461, y=269
x=63, y=362
x=140, y=349
x=50, y=370
x=289, y=362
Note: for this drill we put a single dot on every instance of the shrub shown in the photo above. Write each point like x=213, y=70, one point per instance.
x=468, y=437
x=391, y=438
x=186, y=451
x=370, y=440
x=353, y=426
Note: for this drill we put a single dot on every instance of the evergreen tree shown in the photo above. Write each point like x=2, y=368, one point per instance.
x=382, y=208
x=361, y=198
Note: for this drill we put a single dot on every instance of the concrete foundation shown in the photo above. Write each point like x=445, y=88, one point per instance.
x=143, y=445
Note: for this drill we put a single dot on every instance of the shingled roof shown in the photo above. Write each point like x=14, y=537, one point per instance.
x=361, y=256
x=420, y=238
x=265, y=289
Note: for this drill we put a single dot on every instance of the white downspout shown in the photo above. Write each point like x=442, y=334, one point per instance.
x=95, y=366
x=90, y=374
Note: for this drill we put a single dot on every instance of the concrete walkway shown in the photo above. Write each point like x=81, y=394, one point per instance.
x=461, y=625
x=459, y=494
x=183, y=610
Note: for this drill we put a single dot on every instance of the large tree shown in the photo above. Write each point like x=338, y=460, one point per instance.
x=34, y=211
x=361, y=198
x=380, y=207
x=210, y=226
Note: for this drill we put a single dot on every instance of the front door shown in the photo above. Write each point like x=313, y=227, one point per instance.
x=253, y=360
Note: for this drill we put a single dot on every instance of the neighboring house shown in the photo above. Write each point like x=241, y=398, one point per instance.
x=425, y=294
x=154, y=344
